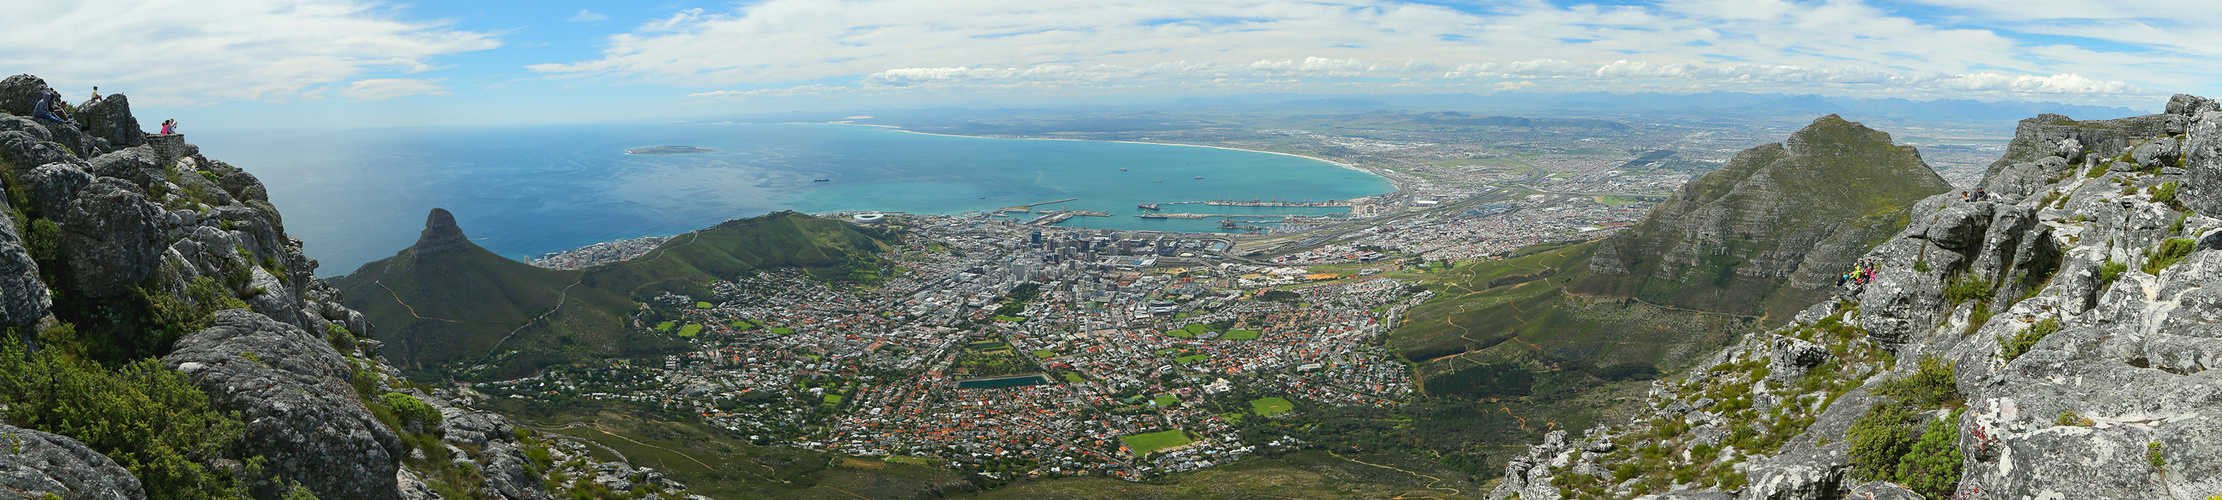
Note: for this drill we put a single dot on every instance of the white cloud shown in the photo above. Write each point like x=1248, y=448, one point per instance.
x=388, y=88
x=184, y=52
x=1116, y=45
x=587, y=16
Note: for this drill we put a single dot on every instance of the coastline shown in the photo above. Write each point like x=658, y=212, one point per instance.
x=1391, y=181
x=1395, y=185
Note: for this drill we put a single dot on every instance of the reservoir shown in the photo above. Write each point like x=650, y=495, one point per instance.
x=356, y=195
x=1002, y=382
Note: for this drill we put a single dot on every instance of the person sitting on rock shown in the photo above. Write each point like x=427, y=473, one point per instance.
x=94, y=99
x=1981, y=195
x=50, y=108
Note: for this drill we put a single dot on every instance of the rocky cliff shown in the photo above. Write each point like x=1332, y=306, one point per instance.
x=167, y=338
x=2052, y=342
x=1770, y=230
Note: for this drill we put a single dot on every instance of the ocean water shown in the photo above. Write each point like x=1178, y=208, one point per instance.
x=354, y=196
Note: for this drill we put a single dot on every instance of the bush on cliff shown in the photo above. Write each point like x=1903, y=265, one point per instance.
x=1880, y=439
x=151, y=420
x=1932, y=466
x=1887, y=447
x=2013, y=347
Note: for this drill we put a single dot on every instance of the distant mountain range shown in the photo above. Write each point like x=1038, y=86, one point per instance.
x=1500, y=109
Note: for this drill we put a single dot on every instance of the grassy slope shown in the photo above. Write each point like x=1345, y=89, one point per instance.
x=1535, y=338
x=716, y=463
x=455, y=307
x=1838, y=179
x=1308, y=474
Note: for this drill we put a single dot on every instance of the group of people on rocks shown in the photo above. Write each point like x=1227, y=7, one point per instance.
x=1978, y=195
x=52, y=108
x=1861, y=274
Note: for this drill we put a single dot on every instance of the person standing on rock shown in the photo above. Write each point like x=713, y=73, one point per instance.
x=169, y=127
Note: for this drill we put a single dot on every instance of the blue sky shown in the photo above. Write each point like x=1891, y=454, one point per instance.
x=313, y=63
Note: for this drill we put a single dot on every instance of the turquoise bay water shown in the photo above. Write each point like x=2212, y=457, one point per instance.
x=354, y=196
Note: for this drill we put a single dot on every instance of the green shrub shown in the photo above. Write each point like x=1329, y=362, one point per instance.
x=2097, y=170
x=1932, y=466
x=1931, y=385
x=1978, y=317
x=1967, y=287
x=2021, y=342
x=2165, y=194
x=175, y=317
x=2154, y=456
x=1879, y=440
x=341, y=340
x=2110, y=271
x=2169, y=253
x=43, y=238
x=2069, y=417
x=410, y=410
x=151, y=420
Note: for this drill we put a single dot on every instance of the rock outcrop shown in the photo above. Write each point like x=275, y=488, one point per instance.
x=2061, y=336
x=109, y=122
x=110, y=238
x=139, y=243
x=440, y=236
x=291, y=388
x=36, y=464
x=26, y=299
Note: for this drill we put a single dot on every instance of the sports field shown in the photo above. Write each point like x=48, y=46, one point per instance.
x=1270, y=406
x=1144, y=444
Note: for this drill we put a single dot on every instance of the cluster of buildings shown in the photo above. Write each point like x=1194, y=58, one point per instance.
x=598, y=253
x=1124, y=371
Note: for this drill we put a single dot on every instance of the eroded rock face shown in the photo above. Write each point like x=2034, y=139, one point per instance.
x=110, y=120
x=52, y=186
x=440, y=234
x=20, y=93
x=26, y=298
x=2056, y=135
x=34, y=464
x=2202, y=151
x=291, y=388
x=109, y=238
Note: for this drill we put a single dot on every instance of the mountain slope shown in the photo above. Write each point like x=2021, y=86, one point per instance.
x=2051, y=343
x=1554, y=333
x=444, y=301
x=1769, y=231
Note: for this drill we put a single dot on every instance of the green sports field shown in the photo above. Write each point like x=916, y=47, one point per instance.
x=1270, y=406
x=1144, y=444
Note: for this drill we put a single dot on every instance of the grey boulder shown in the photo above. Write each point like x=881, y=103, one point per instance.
x=36, y=464
x=26, y=299
x=110, y=239
x=291, y=388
